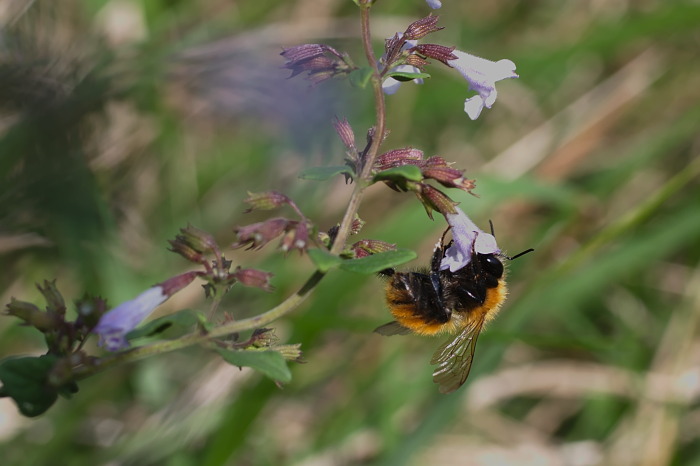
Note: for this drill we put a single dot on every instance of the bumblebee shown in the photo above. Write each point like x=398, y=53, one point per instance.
x=435, y=301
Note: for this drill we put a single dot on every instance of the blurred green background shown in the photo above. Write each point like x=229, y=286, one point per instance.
x=121, y=121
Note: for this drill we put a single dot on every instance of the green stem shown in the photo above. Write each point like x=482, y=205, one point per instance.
x=251, y=323
x=296, y=299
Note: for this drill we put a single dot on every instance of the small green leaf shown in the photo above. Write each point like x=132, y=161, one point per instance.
x=378, y=262
x=404, y=76
x=271, y=363
x=398, y=174
x=324, y=173
x=178, y=324
x=324, y=260
x=361, y=77
x=25, y=381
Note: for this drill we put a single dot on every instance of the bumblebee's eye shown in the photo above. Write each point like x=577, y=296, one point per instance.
x=492, y=265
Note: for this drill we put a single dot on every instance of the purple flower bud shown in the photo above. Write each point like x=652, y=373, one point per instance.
x=253, y=278
x=482, y=76
x=320, y=61
x=115, y=324
x=344, y=130
x=437, y=52
x=434, y=4
x=257, y=235
x=434, y=199
x=449, y=177
x=468, y=240
x=367, y=247
x=297, y=237
x=422, y=27
x=398, y=157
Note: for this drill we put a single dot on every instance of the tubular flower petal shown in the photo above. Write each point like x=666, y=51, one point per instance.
x=482, y=76
x=434, y=4
x=468, y=240
x=115, y=324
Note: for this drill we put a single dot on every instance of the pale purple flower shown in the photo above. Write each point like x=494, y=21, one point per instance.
x=482, y=76
x=468, y=240
x=115, y=324
x=434, y=4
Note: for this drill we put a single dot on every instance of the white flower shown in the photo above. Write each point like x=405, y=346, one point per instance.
x=434, y=4
x=468, y=240
x=482, y=76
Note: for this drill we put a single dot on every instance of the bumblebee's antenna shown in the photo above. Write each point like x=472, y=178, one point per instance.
x=519, y=254
x=493, y=233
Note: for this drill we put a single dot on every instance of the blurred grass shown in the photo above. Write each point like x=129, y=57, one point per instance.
x=113, y=138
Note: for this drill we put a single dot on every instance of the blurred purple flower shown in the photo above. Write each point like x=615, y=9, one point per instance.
x=115, y=324
x=434, y=4
x=482, y=76
x=468, y=240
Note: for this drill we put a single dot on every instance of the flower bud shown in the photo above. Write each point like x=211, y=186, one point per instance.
x=449, y=177
x=356, y=226
x=398, y=157
x=367, y=247
x=297, y=237
x=33, y=316
x=253, y=278
x=257, y=235
x=435, y=51
x=433, y=198
x=422, y=27
x=320, y=61
x=54, y=300
x=266, y=200
x=344, y=130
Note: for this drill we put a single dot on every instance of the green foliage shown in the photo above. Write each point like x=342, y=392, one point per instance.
x=378, y=262
x=25, y=380
x=269, y=362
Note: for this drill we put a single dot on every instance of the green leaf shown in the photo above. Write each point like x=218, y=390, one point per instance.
x=177, y=324
x=361, y=77
x=404, y=172
x=324, y=260
x=25, y=380
x=271, y=363
x=324, y=173
x=404, y=76
x=378, y=262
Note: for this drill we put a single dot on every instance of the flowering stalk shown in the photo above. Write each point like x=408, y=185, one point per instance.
x=293, y=301
x=373, y=152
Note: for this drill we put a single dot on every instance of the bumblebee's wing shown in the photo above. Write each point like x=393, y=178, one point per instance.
x=454, y=358
x=392, y=328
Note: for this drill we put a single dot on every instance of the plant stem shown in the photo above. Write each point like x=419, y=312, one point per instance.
x=364, y=176
x=296, y=299
x=196, y=338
